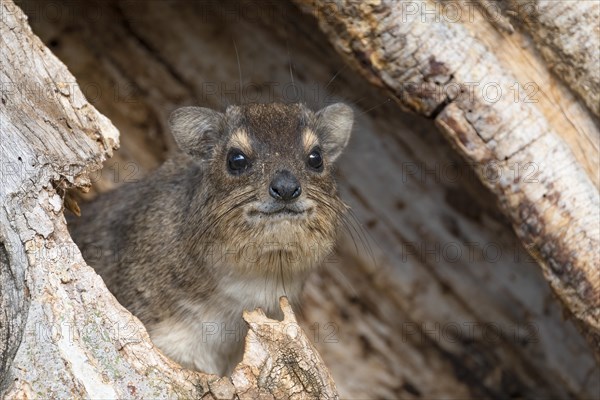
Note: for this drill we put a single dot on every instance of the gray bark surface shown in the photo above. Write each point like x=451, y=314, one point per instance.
x=567, y=36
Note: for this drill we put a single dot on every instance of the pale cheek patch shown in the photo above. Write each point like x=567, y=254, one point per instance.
x=309, y=140
x=241, y=141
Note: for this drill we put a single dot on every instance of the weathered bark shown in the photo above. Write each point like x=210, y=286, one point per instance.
x=49, y=134
x=280, y=361
x=567, y=35
x=556, y=211
x=62, y=333
x=408, y=318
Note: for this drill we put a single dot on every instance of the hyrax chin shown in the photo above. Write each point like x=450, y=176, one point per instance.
x=234, y=220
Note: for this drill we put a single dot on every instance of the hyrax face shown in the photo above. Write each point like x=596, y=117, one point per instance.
x=269, y=172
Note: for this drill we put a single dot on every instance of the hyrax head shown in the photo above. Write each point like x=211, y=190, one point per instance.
x=269, y=172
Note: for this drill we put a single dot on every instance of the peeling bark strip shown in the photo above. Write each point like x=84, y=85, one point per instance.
x=62, y=334
x=568, y=36
x=429, y=66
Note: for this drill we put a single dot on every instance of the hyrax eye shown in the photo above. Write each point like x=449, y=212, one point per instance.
x=315, y=160
x=237, y=162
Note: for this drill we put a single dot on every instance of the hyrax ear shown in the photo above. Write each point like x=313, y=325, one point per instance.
x=334, y=124
x=197, y=130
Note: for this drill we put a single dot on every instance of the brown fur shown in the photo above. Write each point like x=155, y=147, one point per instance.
x=188, y=244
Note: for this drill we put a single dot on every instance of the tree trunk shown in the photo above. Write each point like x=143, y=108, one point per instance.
x=430, y=293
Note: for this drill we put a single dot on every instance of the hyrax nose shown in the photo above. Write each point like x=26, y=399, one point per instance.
x=285, y=186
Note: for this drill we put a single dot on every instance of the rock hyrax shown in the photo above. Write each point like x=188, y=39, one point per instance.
x=235, y=219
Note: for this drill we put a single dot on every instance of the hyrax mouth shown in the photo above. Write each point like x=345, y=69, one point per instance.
x=280, y=212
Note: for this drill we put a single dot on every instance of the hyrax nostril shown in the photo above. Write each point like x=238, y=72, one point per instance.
x=285, y=186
